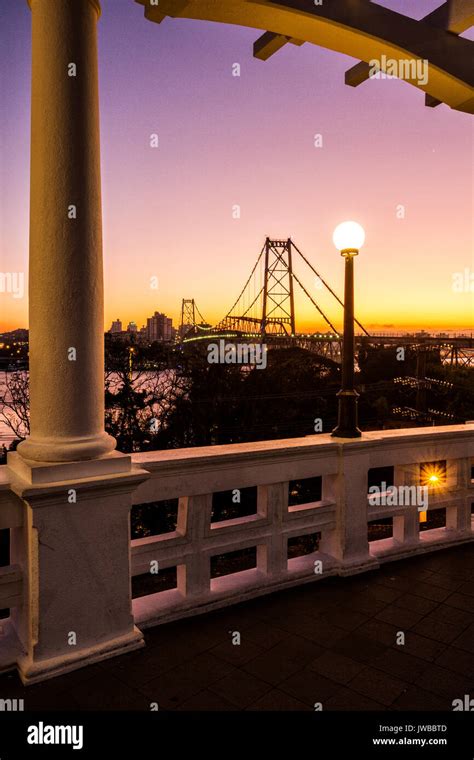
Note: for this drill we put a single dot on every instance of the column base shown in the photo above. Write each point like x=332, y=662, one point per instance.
x=40, y=473
x=32, y=672
x=66, y=449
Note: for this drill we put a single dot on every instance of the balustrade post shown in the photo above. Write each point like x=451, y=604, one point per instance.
x=458, y=517
x=406, y=527
x=350, y=543
x=272, y=556
x=195, y=521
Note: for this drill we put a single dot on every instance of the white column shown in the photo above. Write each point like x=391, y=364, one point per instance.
x=65, y=278
x=74, y=544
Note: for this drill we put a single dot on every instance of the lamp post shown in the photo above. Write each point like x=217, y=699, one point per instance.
x=348, y=238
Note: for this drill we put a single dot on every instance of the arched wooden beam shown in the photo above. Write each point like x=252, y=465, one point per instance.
x=455, y=16
x=358, y=28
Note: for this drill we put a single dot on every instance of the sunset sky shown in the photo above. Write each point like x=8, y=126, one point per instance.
x=249, y=140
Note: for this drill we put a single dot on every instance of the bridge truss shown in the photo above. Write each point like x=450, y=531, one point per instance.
x=264, y=311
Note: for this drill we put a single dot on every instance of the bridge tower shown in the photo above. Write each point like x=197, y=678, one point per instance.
x=188, y=316
x=278, y=311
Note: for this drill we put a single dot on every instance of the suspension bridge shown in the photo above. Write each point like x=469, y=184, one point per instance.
x=264, y=311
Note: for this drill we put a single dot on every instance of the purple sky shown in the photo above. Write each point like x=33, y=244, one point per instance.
x=249, y=140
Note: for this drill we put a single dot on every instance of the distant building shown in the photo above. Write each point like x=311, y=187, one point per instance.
x=116, y=326
x=159, y=327
x=132, y=327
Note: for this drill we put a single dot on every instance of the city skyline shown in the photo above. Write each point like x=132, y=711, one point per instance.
x=177, y=227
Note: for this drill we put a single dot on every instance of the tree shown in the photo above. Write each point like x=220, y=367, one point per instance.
x=15, y=403
x=232, y=403
x=138, y=402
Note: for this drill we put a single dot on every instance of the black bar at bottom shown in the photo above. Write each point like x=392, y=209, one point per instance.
x=222, y=734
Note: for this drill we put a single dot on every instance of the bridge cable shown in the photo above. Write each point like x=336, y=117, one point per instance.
x=315, y=304
x=243, y=289
x=327, y=286
x=253, y=302
x=197, y=309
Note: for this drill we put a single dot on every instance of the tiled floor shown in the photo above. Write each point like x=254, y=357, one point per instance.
x=332, y=642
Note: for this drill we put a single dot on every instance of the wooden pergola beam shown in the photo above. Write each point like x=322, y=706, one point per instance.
x=455, y=16
x=269, y=43
x=358, y=28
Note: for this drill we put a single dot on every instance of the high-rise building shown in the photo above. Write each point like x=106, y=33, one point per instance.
x=132, y=327
x=159, y=327
x=116, y=326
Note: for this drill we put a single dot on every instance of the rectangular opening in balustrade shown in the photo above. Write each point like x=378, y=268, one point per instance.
x=4, y=547
x=154, y=518
x=299, y=546
x=238, y=502
x=433, y=474
x=152, y=583
x=380, y=477
x=378, y=529
x=4, y=560
x=304, y=491
x=433, y=518
x=233, y=562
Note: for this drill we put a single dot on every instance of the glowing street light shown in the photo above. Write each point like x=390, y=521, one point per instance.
x=348, y=237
